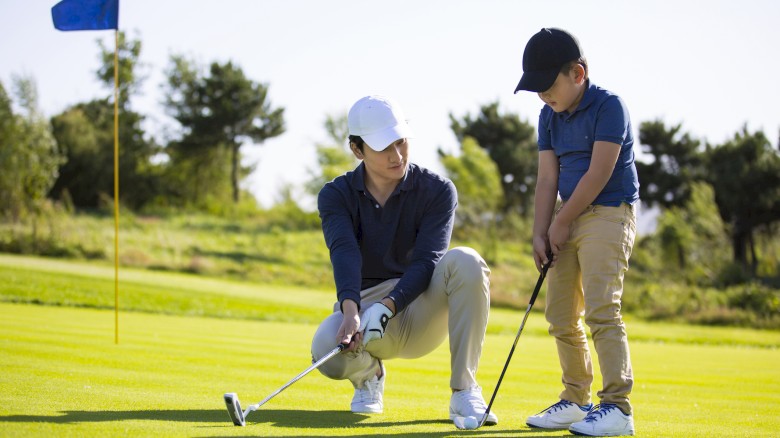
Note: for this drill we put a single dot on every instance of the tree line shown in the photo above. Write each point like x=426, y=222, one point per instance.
x=724, y=194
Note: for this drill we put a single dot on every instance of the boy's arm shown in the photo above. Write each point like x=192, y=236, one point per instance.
x=602, y=164
x=545, y=196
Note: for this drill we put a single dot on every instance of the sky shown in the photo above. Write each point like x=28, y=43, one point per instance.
x=710, y=66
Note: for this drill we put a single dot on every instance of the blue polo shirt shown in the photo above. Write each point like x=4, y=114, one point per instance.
x=404, y=239
x=600, y=116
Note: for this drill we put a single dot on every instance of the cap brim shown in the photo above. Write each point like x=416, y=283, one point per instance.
x=379, y=141
x=537, y=81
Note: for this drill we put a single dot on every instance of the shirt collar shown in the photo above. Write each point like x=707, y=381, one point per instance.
x=358, y=178
x=588, y=97
x=359, y=182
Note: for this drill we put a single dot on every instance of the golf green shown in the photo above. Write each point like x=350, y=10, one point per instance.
x=63, y=375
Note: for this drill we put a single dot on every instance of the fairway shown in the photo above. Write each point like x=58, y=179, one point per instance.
x=62, y=375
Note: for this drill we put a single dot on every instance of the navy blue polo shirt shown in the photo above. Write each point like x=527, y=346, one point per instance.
x=600, y=116
x=404, y=239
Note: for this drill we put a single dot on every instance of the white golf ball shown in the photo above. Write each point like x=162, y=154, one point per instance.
x=468, y=423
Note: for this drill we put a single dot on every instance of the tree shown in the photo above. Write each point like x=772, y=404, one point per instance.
x=511, y=144
x=87, y=143
x=745, y=173
x=223, y=109
x=480, y=196
x=10, y=204
x=333, y=158
x=85, y=135
x=692, y=237
x=28, y=153
x=128, y=60
x=677, y=163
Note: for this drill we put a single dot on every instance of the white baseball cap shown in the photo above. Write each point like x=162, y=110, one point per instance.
x=379, y=121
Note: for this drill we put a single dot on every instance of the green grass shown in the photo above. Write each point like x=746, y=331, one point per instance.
x=63, y=375
x=88, y=284
x=284, y=247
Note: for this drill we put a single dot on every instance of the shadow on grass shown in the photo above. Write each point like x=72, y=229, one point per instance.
x=283, y=418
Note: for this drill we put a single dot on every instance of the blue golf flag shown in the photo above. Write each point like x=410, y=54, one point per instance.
x=86, y=14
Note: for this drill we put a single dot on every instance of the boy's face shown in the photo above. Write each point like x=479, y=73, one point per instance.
x=567, y=90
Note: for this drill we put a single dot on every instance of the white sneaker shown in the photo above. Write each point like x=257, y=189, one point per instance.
x=605, y=419
x=368, y=399
x=469, y=403
x=559, y=416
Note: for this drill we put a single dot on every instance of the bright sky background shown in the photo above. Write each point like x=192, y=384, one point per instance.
x=712, y=66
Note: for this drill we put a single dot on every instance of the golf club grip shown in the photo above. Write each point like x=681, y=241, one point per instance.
x=313, y=366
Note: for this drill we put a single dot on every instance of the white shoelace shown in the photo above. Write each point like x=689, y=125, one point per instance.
x=369, y=391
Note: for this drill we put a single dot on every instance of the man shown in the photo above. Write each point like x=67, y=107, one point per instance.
x=400, y=290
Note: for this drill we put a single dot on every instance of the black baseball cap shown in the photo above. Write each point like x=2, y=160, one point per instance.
x=546, y=52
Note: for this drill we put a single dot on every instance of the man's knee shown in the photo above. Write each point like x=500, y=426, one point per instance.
x=335, y=368
x=466, y=261
x=323, y=343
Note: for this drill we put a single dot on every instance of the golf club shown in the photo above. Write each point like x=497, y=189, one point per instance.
x=234, y=406
x=527, y=311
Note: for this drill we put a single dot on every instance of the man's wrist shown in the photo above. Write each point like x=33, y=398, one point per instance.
x=349, y=307
x=389, y=303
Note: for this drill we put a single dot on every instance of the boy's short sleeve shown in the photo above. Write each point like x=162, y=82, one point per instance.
x=544, y=137
x=613, y=122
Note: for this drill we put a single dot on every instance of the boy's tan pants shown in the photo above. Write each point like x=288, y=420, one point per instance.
x=456, y=302
x=588, y=280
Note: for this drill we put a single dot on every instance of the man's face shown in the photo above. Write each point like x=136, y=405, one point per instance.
x=389, y=163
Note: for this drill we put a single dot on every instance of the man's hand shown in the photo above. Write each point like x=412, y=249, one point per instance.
x=348, y=331
x=374, y=322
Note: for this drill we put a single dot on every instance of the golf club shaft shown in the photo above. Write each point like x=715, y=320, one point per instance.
x=314, y=366
x=512, y=350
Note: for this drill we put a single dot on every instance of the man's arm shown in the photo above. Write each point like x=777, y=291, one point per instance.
x=345, y=257
x=432, y=241
x=339, y=234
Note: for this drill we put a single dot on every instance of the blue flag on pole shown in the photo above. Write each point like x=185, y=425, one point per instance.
x=86, y=14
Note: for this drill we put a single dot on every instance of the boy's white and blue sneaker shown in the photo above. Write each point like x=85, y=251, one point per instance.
x=560, y=415
x=605, y=419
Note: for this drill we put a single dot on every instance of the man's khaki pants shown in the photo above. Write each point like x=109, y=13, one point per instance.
x=456, y=302
x=588, y=280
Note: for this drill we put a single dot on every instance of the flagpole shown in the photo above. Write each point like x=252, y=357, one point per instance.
x=116, y=186
x=70, y=15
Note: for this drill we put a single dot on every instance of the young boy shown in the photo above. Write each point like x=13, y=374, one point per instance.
x=585, y=155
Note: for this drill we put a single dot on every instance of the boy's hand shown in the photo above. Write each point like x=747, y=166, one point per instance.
x=559, y=234
x=541, y=249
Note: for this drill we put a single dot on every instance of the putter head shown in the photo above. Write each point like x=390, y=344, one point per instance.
x=234, y=409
